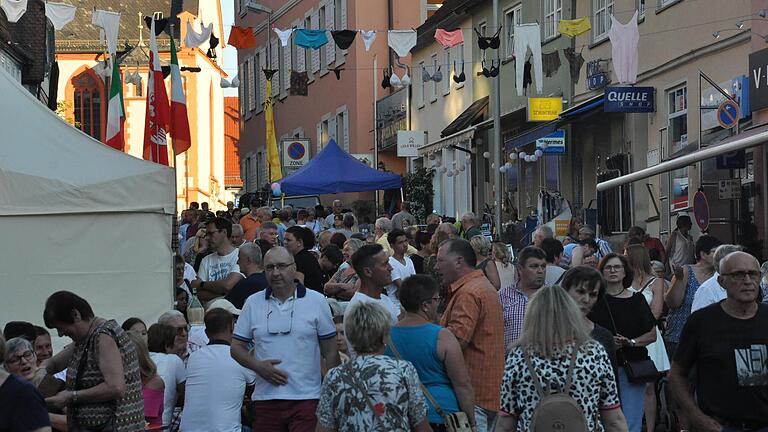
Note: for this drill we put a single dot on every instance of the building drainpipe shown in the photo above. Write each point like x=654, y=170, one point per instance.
x=496, y=107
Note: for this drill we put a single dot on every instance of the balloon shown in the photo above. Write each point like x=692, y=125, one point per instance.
x=538, y=153
x=275, y=186
x=277, y=192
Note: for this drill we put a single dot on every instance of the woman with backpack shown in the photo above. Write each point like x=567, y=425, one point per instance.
x=555, y=352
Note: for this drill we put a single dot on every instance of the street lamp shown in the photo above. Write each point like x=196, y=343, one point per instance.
x=252, y=6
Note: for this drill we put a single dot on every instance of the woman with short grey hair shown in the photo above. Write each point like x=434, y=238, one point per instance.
x=342, y=283
x=371, y=391
x=485, y=262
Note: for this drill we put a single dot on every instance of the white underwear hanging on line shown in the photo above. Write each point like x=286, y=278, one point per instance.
x=60, y=14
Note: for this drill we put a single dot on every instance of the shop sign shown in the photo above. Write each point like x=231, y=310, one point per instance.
x=737, y=88
x=597, y=78
x=629, y=99
x=544, y=109
x=553, y=143
x=408, y=143
x=758, y=80
x=729, y=189
x=295, y=154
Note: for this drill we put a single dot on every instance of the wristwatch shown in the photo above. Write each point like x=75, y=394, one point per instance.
x=632, y=342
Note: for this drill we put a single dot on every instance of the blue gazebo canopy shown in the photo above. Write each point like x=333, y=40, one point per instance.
x=335, y=171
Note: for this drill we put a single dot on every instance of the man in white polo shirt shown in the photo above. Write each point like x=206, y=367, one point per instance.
x=216, y=384
x=402, y=266
x=290, y=327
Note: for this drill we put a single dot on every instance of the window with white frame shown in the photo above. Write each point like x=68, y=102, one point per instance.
x=433, y=84
x=553, y=12
x=663, y=3
x=447, y=73
x=512, y=17
x=677, y=118
x=601, y=18
x=323, y=132
x=342, y=128
x=422, y=86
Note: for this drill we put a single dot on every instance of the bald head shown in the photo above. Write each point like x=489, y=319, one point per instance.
x=740, y=277
x=737, y=260
x=278, y=254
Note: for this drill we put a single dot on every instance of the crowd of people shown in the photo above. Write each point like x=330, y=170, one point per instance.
x=311, y=321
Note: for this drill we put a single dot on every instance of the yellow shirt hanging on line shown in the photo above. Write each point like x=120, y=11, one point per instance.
x=575, y=27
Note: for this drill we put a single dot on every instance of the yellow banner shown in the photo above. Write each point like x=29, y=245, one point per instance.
x=544, y=109
x=273, y=157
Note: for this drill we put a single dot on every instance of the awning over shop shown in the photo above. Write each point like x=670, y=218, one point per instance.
x=467, y=118
x=451, y=140
x=531, y=135
x=751, y=138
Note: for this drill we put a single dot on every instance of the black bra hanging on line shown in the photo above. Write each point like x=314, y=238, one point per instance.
x=492, y=42
x=458, y=79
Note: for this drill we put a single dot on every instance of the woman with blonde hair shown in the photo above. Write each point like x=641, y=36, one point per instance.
x=485, y=262
x=152, y=386
x=555, y=350
x=372, y=391
x=502, y=256
x=198, y=245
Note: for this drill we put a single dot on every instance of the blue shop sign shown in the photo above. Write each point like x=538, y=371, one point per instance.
x=629, y=99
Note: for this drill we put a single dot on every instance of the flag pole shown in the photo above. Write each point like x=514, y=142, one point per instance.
x=173, y=152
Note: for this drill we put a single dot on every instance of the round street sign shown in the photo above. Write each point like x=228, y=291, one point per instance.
x=296, y=150
x=701, y=210
x=728, y=114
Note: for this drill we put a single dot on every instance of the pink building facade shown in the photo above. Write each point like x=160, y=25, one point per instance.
x=342, y=108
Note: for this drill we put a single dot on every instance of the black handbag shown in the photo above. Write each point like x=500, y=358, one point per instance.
x=638, y=371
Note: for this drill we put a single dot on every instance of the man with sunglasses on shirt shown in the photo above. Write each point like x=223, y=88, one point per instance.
x=290, y=328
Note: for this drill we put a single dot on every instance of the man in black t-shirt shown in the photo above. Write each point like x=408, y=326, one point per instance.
x=727, y=342
x=251, y=265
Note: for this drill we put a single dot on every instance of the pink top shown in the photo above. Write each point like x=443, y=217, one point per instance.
x=153, y=407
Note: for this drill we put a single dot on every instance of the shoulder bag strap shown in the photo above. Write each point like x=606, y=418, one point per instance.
x=647, y=284
x=571, y=367
x=361, y=387
x=424, y=390
x=534, y=377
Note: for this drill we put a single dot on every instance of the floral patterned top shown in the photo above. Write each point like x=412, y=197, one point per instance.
x=393, y=386
x=593, y=387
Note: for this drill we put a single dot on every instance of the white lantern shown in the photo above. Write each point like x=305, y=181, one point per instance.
x=503, y=169
x=534, y=158
x=508, y=165
x=450, y=174
x=527, y=158
x=493, y=166
x=522, y=155
x=513, y=156
x=538, y=153
x=486, y=155
x=462, y=168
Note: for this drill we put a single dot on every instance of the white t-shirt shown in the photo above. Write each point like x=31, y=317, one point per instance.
x=215, y=267
x=364, y=298
x=171, y=369
x=214, y=391
x=553, y=274
x=709, y=292
x=290, y=332
x=399, y=272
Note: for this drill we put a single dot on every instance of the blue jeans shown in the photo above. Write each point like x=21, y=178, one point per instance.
x=484, y=419
x=632, y=401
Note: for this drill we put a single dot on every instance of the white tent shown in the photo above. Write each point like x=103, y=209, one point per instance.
x=78, y=215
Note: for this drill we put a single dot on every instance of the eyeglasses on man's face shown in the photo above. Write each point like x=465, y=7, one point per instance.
x=277, y=267
x=742, y=275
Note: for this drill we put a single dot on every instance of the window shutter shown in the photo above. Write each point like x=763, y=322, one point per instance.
x=262, y=80
x=301, y=64
x=343, y=24
x=251, y=85
x=314, y=23
x=332, y=128
x=240, y=92
x=330, y=24
x=275, y=65
x=346, y=130
x=287, y=66
x=319, y=137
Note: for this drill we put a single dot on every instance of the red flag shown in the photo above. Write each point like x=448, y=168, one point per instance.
x=179, y=120
x=158, y=112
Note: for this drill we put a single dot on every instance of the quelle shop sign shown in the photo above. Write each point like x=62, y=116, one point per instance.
x=629, y=99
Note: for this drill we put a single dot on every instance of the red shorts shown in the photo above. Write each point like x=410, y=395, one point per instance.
x=285, y=415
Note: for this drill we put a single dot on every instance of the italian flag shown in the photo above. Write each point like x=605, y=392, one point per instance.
x=179, y=120
x=158, y=113
x=116, y=112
